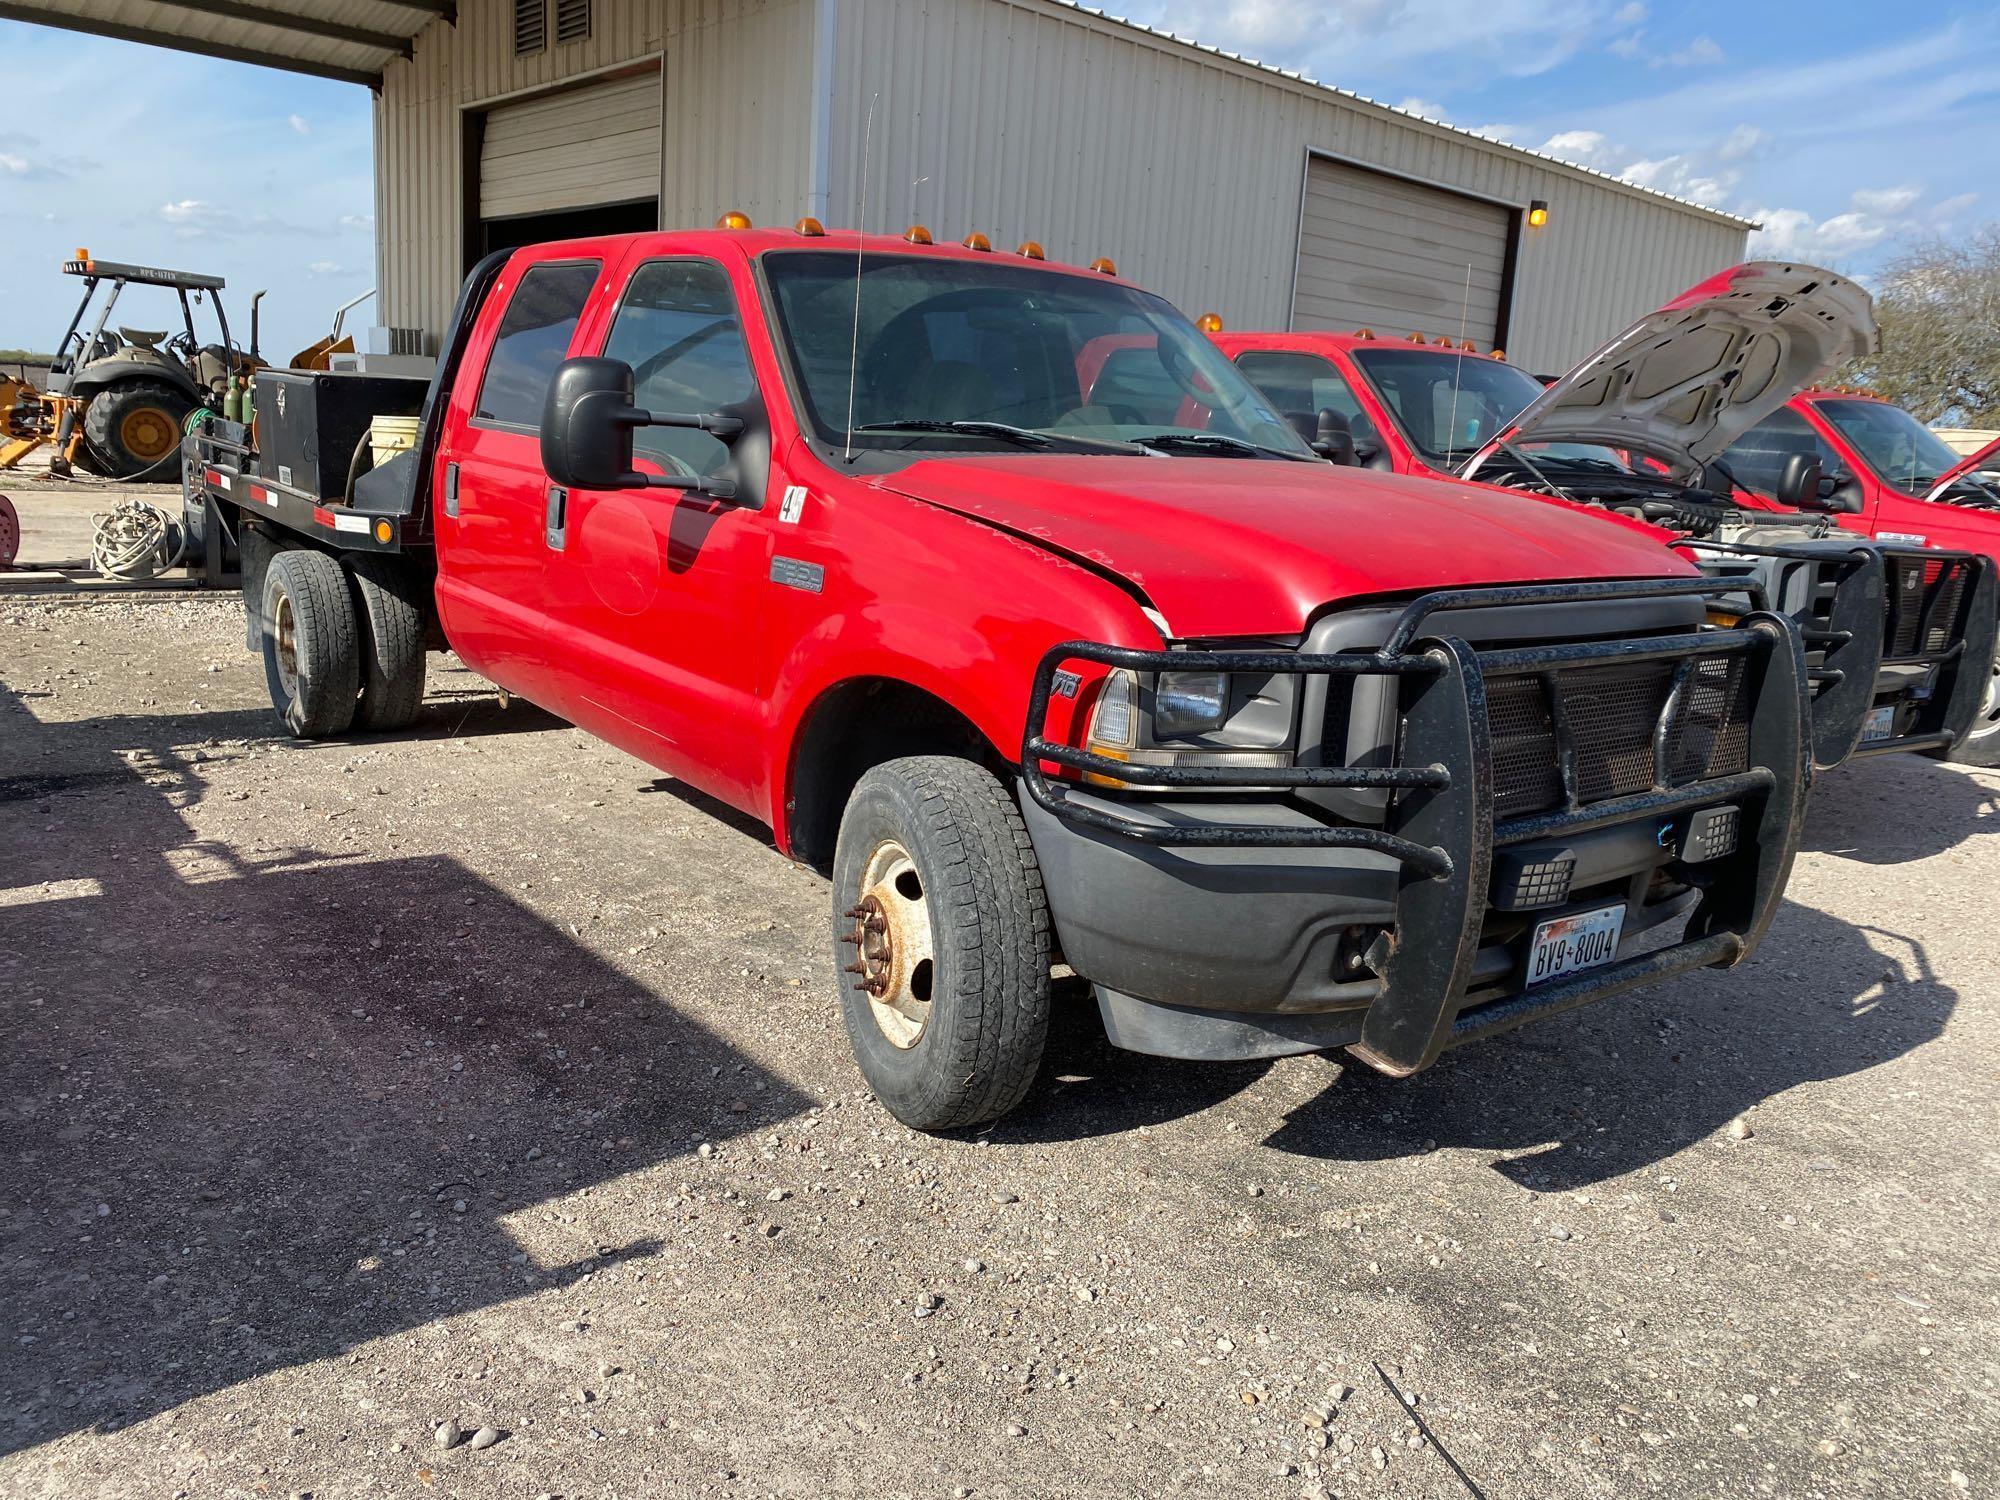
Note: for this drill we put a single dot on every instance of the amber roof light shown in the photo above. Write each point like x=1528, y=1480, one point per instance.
x=1104, y=265
x=1031, y=250
x=810, y=227
x=1208, y=323
x=734, y=219
x=976, y=241
x=916, y=234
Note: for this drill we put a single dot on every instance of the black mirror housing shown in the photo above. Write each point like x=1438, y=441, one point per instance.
x=587, y=424
x=1333, y=439
x=1798, y=482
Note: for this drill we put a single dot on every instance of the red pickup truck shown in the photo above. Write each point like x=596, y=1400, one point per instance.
x=1887, y=476
x=1900, y=636
x=999, y=594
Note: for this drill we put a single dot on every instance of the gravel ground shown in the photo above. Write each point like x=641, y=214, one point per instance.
x=476, y=1078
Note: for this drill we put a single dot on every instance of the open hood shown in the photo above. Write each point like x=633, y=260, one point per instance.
x=1234, y=547
x=1683, y=383
x=1972, y=463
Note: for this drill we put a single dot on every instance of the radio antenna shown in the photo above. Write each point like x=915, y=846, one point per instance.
x=1458, y=370
x=860, y=228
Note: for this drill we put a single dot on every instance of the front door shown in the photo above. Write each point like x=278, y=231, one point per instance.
x=655, y=593
x=493, y=497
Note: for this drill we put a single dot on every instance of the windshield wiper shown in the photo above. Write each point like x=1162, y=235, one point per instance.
x=1023, y=437
x=1207, y=442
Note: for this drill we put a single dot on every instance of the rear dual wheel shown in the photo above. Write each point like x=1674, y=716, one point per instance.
x=343, y=644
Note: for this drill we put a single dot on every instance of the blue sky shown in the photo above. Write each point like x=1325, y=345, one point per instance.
x=1848, y=128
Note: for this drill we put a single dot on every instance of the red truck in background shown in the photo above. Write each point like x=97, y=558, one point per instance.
x=1887, y=476
x=1900, y=636
x=1006, y=601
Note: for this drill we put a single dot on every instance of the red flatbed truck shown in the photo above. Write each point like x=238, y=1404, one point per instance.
x=868, y=537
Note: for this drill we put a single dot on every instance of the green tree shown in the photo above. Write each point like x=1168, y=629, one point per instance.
x=1939, y=305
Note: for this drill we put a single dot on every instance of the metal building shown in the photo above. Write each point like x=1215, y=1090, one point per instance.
x=1228, y=186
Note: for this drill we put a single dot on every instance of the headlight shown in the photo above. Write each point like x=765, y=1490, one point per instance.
x=1187, y=703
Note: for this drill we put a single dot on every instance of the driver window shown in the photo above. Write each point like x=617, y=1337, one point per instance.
x=678, y=330
x=1301, y=384
x=1756, y=460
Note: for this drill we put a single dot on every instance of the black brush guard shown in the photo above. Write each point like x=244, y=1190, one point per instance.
x=1440, y=827
x=1857, y=641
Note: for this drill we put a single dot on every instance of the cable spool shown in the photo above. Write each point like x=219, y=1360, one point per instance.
x=136, y=541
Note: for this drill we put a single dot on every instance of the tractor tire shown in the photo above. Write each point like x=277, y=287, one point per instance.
x=941, y=939
x=312, y=644
x=10, y=533
x=133, y=429
x=390, y=608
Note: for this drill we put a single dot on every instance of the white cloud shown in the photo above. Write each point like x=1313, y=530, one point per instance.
x=1430, y=109
x=300, y=124
x=18, y=165
x=1702, y=51
x=1946, y=209
x=1629, y=15
x=1587, y=148
x=1741, y=143
x=357, y=221
x=1887, y=201
x=325, y=268
x=1626, y=46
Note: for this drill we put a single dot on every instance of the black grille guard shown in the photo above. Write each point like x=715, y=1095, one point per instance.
x=1855, y=647
x=1440, y=827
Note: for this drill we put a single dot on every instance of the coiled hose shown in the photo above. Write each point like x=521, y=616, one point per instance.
x=136, y=541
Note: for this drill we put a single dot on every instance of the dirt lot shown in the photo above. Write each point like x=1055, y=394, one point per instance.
x=478, y=1075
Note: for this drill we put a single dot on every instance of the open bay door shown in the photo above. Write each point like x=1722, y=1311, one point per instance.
x=1388, y=254
x=582, y=161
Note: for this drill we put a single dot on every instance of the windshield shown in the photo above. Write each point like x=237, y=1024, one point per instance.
x=1900, y=449
x=1449, y=405
x=1073, y=362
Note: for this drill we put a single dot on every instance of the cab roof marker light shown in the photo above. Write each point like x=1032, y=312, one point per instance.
x=1417, y=338
x=810, y=227
x=1364, y=333
x=1030, y=250
x=976, y=241
x=916, y=234
x=734, y=219
x=1104, y=265
x=1209, y=323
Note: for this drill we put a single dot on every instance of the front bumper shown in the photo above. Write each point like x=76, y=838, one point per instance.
x=1251, y=923
x=1898, y=638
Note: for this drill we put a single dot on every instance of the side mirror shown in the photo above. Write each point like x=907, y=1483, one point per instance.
x=1333, y=439
x=1798, y=482
x=587, y=425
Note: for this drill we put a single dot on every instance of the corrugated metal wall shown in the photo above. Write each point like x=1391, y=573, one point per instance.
x=1035, y=121
x=737, y=122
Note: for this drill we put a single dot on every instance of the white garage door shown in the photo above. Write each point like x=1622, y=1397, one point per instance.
x=1384, y=253
x=576, y=149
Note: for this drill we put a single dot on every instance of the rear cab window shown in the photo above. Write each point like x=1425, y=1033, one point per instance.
x=533, y=338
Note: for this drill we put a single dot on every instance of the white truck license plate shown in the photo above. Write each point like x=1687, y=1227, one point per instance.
x=1582, y=940
x=1879, y=725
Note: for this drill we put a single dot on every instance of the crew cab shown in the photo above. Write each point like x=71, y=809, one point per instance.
x=885, y=543
x=1899, y=635
x=1887, y=476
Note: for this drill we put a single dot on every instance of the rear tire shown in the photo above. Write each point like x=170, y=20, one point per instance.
x=389, y=607
x=954, y=928
x=133, y=429
x=312, y=648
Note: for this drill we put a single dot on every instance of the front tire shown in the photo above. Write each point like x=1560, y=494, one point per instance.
x=1981, y=745
x=941, y=937
x=312, y=650
x=133, y=429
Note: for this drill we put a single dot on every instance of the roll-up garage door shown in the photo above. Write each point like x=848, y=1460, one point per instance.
x=1386, y=253
x=577, y=149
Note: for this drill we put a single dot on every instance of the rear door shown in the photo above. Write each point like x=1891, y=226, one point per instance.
x=496, y=505
x=654, y=595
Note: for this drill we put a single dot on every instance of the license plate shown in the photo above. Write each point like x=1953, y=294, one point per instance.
x=1584, y=940
x=1879, y=725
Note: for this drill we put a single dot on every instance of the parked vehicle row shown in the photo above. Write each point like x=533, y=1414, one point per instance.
x=1006, y=599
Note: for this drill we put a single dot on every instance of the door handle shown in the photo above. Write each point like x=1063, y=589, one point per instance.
x=451, y=489
x=556, y=517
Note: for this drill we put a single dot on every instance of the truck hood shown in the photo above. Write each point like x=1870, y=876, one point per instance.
x=1972, y=463
x=1233, y=547
x=1685, y=382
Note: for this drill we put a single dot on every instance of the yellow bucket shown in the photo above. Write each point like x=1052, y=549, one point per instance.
x=388, y=436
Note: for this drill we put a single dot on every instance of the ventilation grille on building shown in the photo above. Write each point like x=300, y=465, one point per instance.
x=531, y=26
x=572, y=20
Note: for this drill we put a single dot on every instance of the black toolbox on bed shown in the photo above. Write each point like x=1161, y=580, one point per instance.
x=310, y=421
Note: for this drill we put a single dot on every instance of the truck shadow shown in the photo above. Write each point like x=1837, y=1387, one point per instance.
x=1575, y=1100
x=1862, y=811
x=264, y=1107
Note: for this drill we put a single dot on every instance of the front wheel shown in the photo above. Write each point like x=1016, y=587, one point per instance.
x=941, y=937
x=1981, y=745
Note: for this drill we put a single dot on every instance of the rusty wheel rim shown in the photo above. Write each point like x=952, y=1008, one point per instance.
x=147, y=433
x=893, y=963
x=285, y=629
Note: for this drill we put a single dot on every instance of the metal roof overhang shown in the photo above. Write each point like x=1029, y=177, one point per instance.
x=351, y=41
